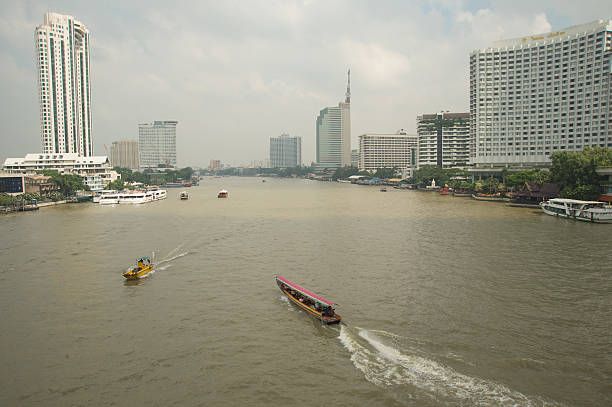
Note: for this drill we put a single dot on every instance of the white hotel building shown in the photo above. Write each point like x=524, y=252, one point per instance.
x=285, y=151
x=62, y=58
x=95, y=171
x=157, y=144
x=534, y=95
x=397, y=150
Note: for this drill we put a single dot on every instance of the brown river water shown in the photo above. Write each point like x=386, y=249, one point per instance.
x=447, y=301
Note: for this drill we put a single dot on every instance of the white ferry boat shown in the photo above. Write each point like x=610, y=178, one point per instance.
x=135, y=197
x=159, y=194
x=109, y=199
x=589, y=211
x=99, y=194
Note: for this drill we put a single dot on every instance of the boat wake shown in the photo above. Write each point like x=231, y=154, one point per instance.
x=385, y=362
x=166, y=259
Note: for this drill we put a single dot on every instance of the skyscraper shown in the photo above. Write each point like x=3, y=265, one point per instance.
x=157, y=144
x=62, y=58
x=285, y=151
x=334, y=134
x=534, y=95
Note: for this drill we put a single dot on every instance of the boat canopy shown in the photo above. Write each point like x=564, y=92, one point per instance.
x=304, y=291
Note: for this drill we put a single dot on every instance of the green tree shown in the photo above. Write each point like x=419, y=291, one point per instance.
x=6, y=200
x=68, y=184
x=574, y=172
x=490, y=185
x=385, y=173
x=443, y=176
x=518, y=179
x=345, y=172
x=116, y=185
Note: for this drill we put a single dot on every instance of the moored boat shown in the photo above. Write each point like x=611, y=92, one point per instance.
x=174, y=184
x=588, y=211
x=223, y=194
x=159, y=194
x=138, y=197
x=143, y=267
x=490, y=197
x=316, y=306
x=109, y=199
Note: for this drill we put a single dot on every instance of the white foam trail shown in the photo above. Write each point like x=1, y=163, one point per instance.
x=386, y=365
x=166, y=260
x=172, y=252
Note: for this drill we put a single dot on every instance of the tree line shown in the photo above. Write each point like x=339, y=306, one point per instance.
x=573, y=171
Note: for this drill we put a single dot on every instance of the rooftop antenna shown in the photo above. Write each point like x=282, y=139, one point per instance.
x=348, y=88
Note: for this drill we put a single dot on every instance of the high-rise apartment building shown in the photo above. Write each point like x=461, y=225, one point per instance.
x=444, y=139
x=334, y=134
x=534, y=95
x=62, y=59
x=397, y=150
x=285, y=151
x=124, y=154
x=157, y=144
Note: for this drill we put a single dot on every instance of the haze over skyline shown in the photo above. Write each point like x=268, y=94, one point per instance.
x=234, y=74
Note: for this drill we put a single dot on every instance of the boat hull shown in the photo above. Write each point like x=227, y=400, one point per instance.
x=585, y=216
x=309, y=310
x=132, y=274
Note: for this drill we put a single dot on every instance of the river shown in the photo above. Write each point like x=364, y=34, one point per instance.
x=447, y=301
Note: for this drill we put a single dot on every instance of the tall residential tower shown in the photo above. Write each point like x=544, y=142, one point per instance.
x=534, y=95
x=62, y=58
x=334, y=134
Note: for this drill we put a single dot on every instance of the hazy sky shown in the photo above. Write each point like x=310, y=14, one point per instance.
x=235, y=73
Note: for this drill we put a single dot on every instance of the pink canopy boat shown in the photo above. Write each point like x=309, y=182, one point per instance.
x=312, y=303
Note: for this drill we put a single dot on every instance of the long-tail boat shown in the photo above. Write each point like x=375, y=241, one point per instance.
x=313, y=304
x=143, y=267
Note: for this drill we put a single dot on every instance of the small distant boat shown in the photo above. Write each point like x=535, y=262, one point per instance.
x=490, y=197
x=383, y=190
x=184, y=196
x=313, y=304
x=589, y=211
x=174, y=184
x=143, y=267
x=223, y=194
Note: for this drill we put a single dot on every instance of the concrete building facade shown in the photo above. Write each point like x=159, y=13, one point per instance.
x=285, y=151
x=157, y=144
x=397, y=150
x=444, y=139
x=64, y=86
x=124, y=154
x=534, y=95
x=96, y=171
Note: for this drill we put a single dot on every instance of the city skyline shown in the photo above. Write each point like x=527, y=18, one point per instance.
x=405, y=59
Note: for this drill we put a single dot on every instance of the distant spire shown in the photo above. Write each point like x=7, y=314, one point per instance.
x=348, y=88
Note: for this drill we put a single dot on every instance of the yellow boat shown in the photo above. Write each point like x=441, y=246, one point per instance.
x=143, y=267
